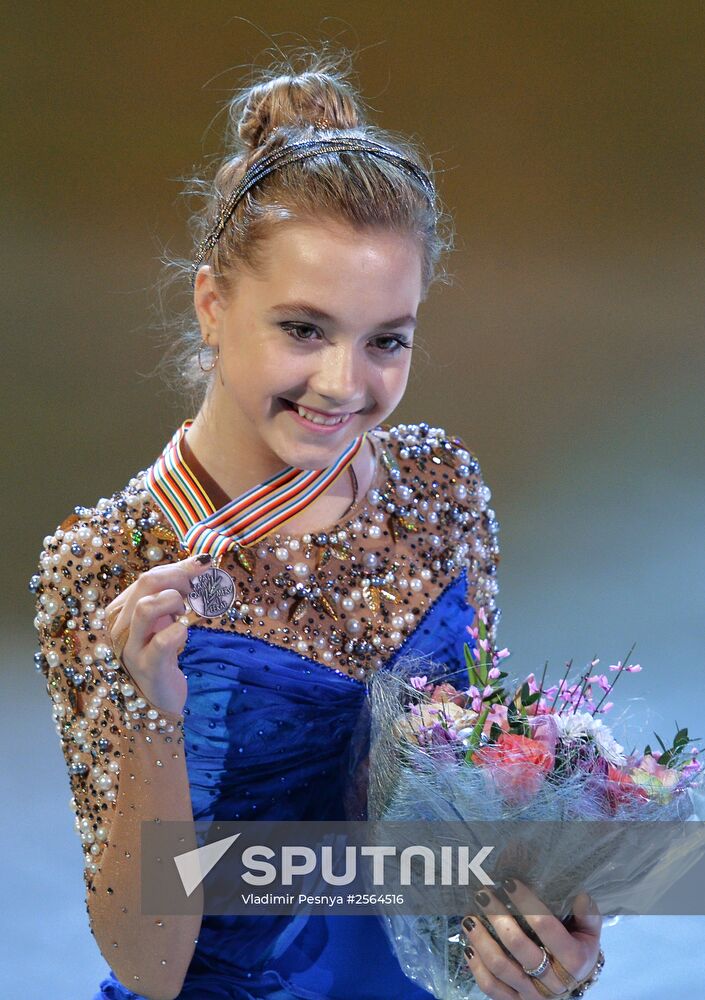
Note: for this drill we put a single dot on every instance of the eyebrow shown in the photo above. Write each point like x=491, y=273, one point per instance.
x=305, y=309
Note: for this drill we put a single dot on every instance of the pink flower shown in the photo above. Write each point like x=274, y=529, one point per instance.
x=533, y=686
x=600, y=679
x=545, y=730
x=494, y=673
x=497, y=716
x=418, y=682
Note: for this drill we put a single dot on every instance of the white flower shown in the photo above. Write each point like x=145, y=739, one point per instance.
x=574, y=725
x=609, y=749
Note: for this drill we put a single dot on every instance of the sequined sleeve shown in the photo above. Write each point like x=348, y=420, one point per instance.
x=463, y=526
x=481, y=533
x=124, y=756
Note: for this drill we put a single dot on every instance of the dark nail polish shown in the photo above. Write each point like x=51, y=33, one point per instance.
x=481, y=898
x=204, y=558
x=509, y=885
x=469, y=952
x=468, y=923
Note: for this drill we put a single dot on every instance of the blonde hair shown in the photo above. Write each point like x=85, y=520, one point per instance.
x=281, y=106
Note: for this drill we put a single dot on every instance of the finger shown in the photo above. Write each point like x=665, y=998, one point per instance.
x=190, y=617
x=551, y=931
x=168, y=641
x=586, y=919
x=118, y=635
x=119, y=641
x=485, y=978
x=152, y=613
x=112, y=613
x=112, y=610
x=173, y=576
x=169, y=576
x=503, y=967
x=516, y=946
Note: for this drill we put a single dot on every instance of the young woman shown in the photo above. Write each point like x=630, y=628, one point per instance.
x=313, y=543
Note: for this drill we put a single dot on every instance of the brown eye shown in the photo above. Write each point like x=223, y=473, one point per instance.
x=299, y=331
x=391, y=345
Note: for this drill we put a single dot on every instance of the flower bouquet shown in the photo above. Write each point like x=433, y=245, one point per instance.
x=522, y=756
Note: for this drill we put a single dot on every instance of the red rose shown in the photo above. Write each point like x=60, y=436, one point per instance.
x=517, y=766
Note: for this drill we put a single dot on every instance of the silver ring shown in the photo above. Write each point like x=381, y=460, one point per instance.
x=541, y=967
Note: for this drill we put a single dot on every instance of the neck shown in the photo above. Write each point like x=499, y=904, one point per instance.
x=223, y=441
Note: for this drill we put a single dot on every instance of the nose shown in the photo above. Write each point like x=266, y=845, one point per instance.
x=338, y=378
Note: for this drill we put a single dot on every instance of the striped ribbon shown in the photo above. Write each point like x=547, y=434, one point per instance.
x=247, y=518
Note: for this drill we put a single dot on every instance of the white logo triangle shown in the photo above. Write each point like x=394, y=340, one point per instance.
x=193, y=866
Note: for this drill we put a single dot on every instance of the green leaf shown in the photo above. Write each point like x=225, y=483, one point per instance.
x=474, y=737
x=470, y=665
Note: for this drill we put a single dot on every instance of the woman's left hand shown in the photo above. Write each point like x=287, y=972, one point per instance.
x=499, y=972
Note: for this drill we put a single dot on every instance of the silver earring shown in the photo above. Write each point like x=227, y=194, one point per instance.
x=200, y=361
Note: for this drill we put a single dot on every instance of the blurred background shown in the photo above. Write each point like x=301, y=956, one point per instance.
x=568, y=351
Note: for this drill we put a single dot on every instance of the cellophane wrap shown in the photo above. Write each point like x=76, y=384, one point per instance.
x=406, y=782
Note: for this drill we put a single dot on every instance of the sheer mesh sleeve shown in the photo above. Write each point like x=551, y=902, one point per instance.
x=124, y=756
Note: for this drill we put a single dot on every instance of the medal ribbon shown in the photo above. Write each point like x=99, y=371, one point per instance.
x=247, y=518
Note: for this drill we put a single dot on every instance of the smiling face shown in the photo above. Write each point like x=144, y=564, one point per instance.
x=316, y=348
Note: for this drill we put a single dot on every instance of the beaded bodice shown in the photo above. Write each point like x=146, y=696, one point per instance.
x=346, y=597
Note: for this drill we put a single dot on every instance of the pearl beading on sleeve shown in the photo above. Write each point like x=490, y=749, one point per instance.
x=96, y=706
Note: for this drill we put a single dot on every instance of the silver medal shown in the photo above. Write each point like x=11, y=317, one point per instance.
x=213, y=593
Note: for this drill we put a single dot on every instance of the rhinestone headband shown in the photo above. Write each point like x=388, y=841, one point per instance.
x=301, y=151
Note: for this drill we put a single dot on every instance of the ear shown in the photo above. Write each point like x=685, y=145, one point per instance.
x=208, y=305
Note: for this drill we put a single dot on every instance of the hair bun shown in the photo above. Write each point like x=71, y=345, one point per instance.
x=297, y=101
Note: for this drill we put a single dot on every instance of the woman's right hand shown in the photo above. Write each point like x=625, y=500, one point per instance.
x=144, y=625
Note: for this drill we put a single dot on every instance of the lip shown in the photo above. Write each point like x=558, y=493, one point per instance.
x=318, y=428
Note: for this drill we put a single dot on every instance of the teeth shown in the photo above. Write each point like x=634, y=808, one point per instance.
x=316, y=418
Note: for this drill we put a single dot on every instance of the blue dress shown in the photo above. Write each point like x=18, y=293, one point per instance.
x=259, y=747
x=276, y=689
